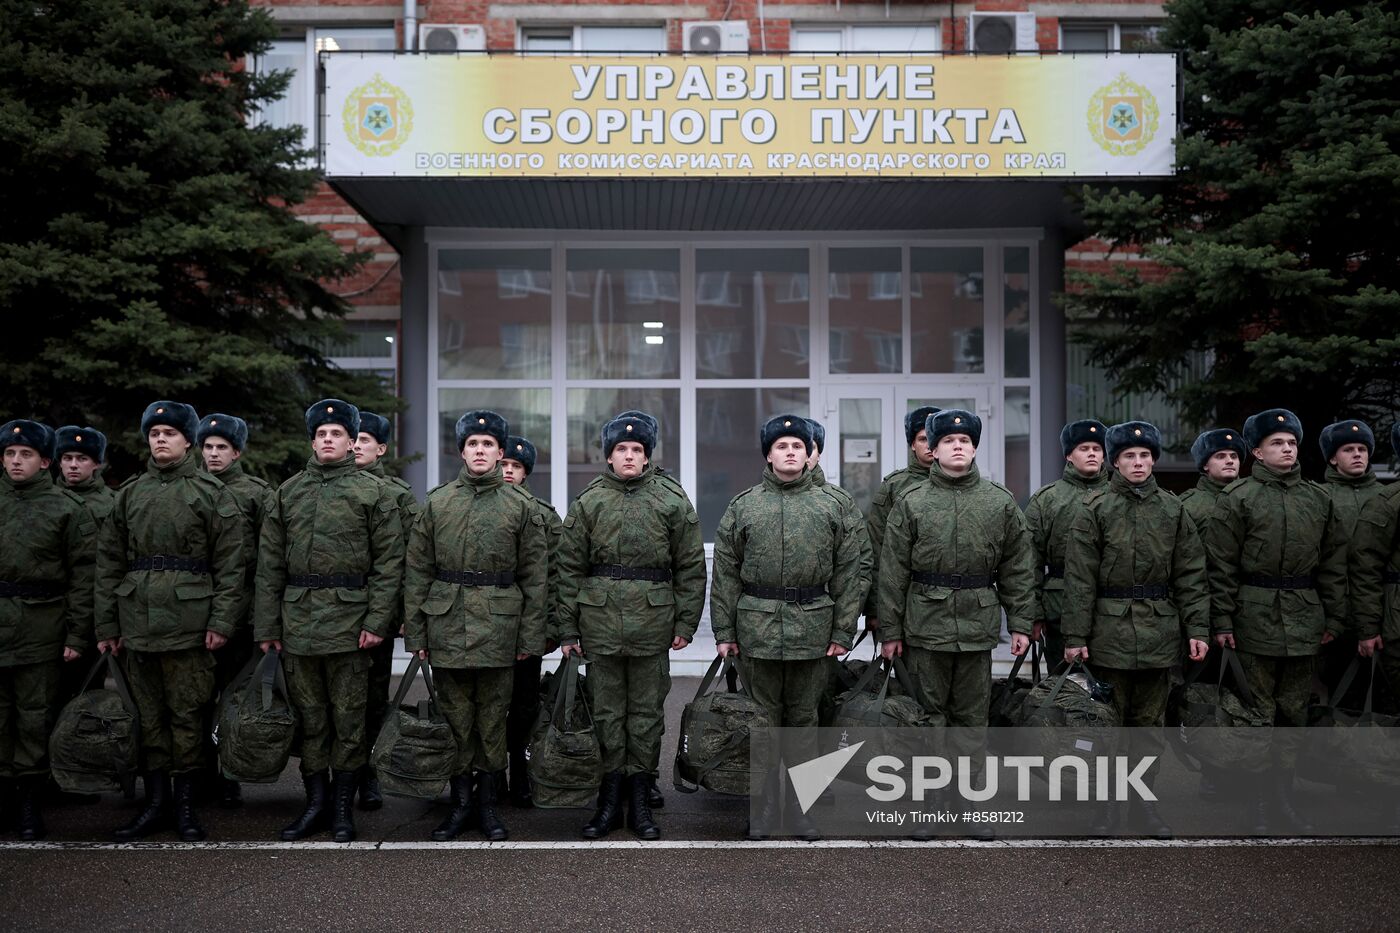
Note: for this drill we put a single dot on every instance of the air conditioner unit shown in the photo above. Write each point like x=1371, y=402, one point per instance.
x=450, y=37
x=712, y=38
x=1001, y=32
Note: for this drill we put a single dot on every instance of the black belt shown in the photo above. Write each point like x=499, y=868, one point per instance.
x=477, y=577
x=1302, y=581
x=1392, y=576
x=619, y=572
x=28, y=590
x=1055, y=573
x=956, y=581
x=325, y=581
x=788, y=594
x=1140, y=591
x=164, y=562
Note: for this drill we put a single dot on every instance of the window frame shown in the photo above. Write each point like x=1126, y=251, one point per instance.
x=576, y=30
x=1115, y=32
x=847, y=32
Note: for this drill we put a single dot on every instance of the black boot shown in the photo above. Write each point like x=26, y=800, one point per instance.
x=30, y=819
x=1283, y=806
x=654, y=798
x=798, y=823
x=608, y=816
x=186, y=822
x=371, y=797
x=343, y=815
x=156, y=815
x=316, y=816
x=769, y=821
x=491, y=826
x=639, y=812
x=1105, y=819
x=230, y=794
x=1150, y=821
x=520, y=795
x=460, y=817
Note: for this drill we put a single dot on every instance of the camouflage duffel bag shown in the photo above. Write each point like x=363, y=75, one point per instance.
x=564, y=760
x=1350, y=747
x=883, y=697
x=713, y=748
x=414, y=753
x=842, y=674
x=1212, y=726
x=257, y=725
x=95, y=745
x=1069, y=714
x=1008, y=705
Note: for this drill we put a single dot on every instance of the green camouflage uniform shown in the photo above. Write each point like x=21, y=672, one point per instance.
x=381, y=658
x=625, y=627
x=171, y=511
x=525, y=682
x=252, y=494
x=1049, y=515
x=329, y=519
x=891, y=488
x=98, y=497
x=1351, y=496
x=786, y=534
x=1274, y=525
x=50, y=538
x=473, y=634
x=1200, y=500
x=1126, y=536
x=955, y=525
x=1375, y=583
x=867, y=555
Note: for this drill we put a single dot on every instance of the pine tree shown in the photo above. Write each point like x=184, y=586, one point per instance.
x=147, y=248
x=1277, y=245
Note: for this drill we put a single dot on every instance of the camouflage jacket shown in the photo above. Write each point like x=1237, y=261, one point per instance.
x=1375, y=576
x=1200, y=500
x=408, y=514
x=554, y=535
x=638, y=522
x=328, y=519
x=1049, y=515
x=253, y=495
x=176, y=510
x=956, y=525
x=50, y=537
x=891, y=488
x=867, y=556
x=477, y=523
x=1126, y=536
x=789, y=534
x=97, y=495
x=1274, y=525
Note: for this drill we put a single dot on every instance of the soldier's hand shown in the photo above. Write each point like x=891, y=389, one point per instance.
x=114, y=645
x=1199, y=649
x=1076, y=654
x=520, y=656
x=727, y=649
x=679, y=642
x=213, y=641
x=891, y=649
x=369, y=640
x=834, y=650
x=71, y=654
x=1020, y=644
x=567, y=650
x=1037, y=631
x=422, y=654
x=1365, y=647
x=273, y=643
x=1225, y=639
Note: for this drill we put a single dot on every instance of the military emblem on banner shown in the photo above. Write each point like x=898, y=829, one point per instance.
x=1123, y=117
x=378, y=117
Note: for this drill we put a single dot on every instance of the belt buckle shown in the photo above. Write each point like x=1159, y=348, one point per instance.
x=469, y=578
x=1139, y=591
x=313, y=580
x=158, y=562
x=790, y=594
x=614, y=571
x=955, y=581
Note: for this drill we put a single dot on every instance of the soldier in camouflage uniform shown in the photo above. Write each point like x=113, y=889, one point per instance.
x=82, y=453
x=786, y=592
x=330, y=575
x=516, y=467
x=221, y=439
x=1135, y=586
x=814, y=466
x=1049, y=515
x=1219, y=456
x=1277, y=561
x=1376, y=577
x=170, y=591
x=371, y=445
x=474, y=601
x=46, y=569
x=631, y=586
x=891, y=488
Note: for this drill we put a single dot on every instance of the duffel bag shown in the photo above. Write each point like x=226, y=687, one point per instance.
x=564, y=760
x=1008, y=706
x=95, y=745
x=842, y=674
x=1212, y=725
x=872, y=704
x=1351, y=747
x=713, y=748
x=257, y=725
x=414, y=753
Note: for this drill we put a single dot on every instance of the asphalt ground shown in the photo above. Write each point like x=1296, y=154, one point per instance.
x=701, y=876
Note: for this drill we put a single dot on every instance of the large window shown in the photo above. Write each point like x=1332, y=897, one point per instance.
x=624, y=310
x=1110, y=37
x=297, y=54
x=946, y=309
x=601, y=38
x=494, y=314
x=752, y=314
x=865, y=289
x=898, y=37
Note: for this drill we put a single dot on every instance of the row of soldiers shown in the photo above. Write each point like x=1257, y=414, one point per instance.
x=484, y=579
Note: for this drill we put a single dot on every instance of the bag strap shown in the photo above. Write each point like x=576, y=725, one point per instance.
x=1344, y=684
x=566, y=691
x=99, y=665
x=1237, y=672
x=415, y=664
x=123, y=690
x=1060, y=683
x=710, y=675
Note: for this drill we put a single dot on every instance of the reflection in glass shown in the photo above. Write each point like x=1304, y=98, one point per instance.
x=623, y=313
x=493, y=314
x=730, y=460
x=865, y=311
x=1018, y=442
x=751, y=313
x=525, y=410
x=590, y=409
x=858, y=447
x=945, y=305
x=1016, y=291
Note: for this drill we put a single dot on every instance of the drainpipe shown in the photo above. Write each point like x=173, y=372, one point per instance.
x=410, y=24
x=763, y=27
